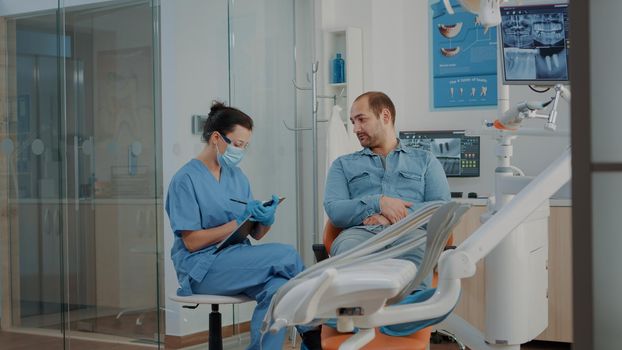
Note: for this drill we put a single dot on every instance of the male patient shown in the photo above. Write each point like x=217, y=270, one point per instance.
x=380, y=184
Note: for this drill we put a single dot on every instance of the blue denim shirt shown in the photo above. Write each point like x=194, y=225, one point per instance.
x=356, y=182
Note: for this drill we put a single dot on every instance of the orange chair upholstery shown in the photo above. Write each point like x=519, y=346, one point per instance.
x=330, y=233
x=331, y=339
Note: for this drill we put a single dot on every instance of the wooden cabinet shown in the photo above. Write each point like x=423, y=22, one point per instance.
x=471, y=306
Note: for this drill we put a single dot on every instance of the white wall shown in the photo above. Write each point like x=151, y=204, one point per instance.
x=194, y=71
x=396, y=60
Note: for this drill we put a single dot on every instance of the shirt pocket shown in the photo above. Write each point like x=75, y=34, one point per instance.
x=360, y=184
x=410, y=185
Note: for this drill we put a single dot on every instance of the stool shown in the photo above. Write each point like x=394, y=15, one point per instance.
x=215, y=319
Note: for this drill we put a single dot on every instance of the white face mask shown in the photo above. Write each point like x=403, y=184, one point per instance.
x=232, y=155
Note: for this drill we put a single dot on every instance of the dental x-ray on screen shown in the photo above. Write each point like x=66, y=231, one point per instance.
x=458, y=153
x=535, y=44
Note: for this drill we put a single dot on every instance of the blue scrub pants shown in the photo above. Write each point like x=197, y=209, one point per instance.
x=256, y=271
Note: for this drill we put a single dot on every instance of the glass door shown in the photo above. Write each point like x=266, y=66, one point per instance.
x=33, y=183
x=113, y=202
x=79, y=166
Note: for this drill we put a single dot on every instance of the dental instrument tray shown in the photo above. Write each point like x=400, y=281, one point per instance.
x=245, y=228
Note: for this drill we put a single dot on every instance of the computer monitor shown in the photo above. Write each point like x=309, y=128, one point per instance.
x=458, y=153
x=535, y=44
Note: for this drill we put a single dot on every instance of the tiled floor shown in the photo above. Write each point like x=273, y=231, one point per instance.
x=19, y=341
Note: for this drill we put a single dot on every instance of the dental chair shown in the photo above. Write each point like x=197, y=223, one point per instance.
x=332, y=339
x=368, y=287
x=353, y=288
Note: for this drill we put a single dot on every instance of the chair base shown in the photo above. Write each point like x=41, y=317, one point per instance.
x=215, y=329
x=331, y=340
x=215, y=318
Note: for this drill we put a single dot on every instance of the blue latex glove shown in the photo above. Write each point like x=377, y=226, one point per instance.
x=251, y=207
x=265, y=213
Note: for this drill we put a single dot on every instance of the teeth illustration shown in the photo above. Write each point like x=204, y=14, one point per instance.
x=450, y=30
x=484, y=91
x=548, y=63
x=449, y=52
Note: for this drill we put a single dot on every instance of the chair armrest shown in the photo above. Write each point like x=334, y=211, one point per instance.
x=330, y=233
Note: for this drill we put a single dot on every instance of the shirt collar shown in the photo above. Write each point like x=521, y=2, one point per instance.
x=398, y=148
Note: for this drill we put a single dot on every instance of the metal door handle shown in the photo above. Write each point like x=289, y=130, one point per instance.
x=46, y=221
x=76, y=173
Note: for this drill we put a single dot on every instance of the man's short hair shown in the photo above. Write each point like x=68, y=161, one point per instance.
x=377, y=102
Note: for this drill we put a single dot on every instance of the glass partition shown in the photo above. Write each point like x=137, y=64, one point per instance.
x=112, y=198
x=32, y=172
x=262, y=67
x=78, y=173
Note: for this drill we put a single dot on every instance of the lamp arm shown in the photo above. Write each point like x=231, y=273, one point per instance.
x=461, y=262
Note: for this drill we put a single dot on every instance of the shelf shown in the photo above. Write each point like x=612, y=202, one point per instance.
x=349, y=43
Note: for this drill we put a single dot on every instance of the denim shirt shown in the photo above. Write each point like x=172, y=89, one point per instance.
x=356, y=181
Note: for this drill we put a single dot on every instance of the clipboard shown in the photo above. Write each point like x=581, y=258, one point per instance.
x=244, y=229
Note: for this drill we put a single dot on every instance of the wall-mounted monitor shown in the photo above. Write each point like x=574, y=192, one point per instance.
x=535, y=44
x=458, y=153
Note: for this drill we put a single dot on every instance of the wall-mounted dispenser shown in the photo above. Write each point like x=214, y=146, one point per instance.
x=197, y=123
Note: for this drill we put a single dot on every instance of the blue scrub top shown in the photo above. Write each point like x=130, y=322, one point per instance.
x=197, y=201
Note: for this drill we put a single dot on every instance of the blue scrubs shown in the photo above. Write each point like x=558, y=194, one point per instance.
x=197, y=201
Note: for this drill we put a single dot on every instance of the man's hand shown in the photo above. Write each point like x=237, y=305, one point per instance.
x=394, y=209
x=376, y=219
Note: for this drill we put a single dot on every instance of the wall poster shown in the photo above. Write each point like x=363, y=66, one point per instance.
x=464, y=59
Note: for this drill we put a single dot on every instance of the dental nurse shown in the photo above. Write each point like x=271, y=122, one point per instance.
x=202, y=214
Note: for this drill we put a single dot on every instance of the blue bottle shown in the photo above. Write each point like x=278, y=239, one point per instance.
x=338, y=67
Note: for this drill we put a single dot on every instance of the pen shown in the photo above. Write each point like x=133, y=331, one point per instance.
x=237, y=201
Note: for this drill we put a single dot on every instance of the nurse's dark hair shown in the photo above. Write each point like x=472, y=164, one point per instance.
x=223, y=119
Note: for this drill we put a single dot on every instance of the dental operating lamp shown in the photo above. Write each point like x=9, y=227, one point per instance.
x=513, y=238
x=513, y=117
x=487, y=11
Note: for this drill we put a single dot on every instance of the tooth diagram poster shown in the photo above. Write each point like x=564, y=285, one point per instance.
x=464, y=59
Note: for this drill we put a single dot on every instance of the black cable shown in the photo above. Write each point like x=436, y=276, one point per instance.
x=539, y=91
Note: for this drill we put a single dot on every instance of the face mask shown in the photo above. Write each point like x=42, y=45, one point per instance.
x=232, y=155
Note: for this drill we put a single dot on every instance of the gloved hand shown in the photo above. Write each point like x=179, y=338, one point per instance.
x=265, y=213
x=251, y=207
